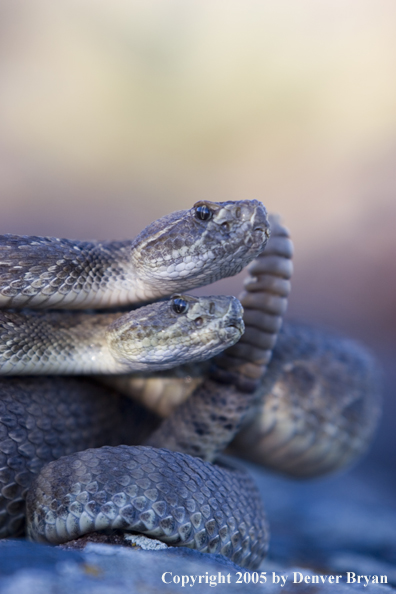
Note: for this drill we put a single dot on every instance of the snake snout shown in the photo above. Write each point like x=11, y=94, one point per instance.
x=259, y=220
x=257, y=227
x=234, y=320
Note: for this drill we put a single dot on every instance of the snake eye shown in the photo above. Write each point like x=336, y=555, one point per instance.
x=203, y=212
x=179, y=305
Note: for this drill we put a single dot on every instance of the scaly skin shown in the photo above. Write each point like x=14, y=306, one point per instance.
x=189, y=502
x=149, y=338
x=44, y=418
x=168, y=495
x=178, y=252
x=264, y=301
x=317, y=407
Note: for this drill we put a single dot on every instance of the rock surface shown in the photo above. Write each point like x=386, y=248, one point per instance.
x=332, y=526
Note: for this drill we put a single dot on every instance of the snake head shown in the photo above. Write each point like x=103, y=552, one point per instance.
x=195, y=247
x=181, y=330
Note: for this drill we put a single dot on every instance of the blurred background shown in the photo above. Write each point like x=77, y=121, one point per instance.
x=115, y=113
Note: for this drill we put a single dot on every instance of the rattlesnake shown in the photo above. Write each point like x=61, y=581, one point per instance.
x=180, y=498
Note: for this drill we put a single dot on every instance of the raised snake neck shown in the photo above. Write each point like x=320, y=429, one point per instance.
x=180, y=251
x=186, y=248
x=149, y=338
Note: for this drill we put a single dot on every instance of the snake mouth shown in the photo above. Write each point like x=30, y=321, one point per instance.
x=236, y=326
x=260, y=234
x=235, y=329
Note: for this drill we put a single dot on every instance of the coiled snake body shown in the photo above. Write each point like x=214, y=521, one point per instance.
x=311, y=411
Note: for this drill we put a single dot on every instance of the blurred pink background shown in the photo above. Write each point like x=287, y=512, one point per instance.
x=115, y=113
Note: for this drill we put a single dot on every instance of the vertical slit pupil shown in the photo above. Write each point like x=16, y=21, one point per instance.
x=203, y=212
x=179, y=305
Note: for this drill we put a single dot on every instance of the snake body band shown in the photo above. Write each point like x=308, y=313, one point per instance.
x=276, y=396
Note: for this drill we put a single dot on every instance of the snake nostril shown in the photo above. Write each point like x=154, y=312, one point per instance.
x=212, y=307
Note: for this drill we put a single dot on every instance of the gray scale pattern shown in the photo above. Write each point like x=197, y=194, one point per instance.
x=31, y=266
x=168, y=495
x=36, y=427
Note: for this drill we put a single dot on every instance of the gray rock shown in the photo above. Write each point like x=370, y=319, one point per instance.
x=29, y=568
x=331, y=526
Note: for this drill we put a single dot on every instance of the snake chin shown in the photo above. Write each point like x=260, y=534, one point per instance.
x=232, y=333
